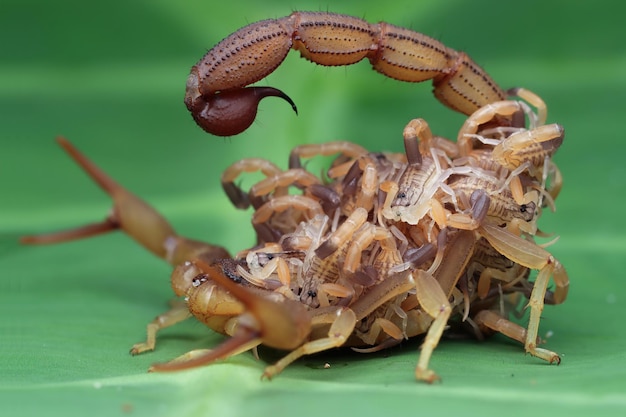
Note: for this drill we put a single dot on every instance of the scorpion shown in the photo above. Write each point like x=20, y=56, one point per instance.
x=392, y=245
x=496, y=253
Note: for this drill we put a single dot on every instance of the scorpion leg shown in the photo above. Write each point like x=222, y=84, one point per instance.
x=530, y=255
x=434, y=291
x=344, y=233
x=348, y=149
x=342, y=321
x=178, y=313
x=132, y=215
x=433, y=300
x=380, y=325
x=490, y=320
x=505, y=109
x=458, y=252
x=533, y=99
x=292, y=177
x=508, y=277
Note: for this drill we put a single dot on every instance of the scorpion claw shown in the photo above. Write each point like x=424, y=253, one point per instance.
x=230, y=112
x=283, y=324
x=133, y=216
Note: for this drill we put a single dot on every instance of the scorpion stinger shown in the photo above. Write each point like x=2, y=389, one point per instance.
x=230, y=112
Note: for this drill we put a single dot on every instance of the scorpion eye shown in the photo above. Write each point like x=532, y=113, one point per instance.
x=523, y=208
x=311, y=294
x=199, y=280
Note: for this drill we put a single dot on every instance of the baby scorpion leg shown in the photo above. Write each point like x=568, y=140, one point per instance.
x=480, y=206
x=535, y=100
x=489, y=320
x=236, y=195
x=349, y=149
x=132, y=215
x=292, y=177
x=432, y=300
x=314, y=286
x=344, y=233
x=433, y=292
x=369, y=233
x=507, y=109
x=282, y=204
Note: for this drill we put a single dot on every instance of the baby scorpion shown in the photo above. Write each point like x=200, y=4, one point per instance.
x=219, y=102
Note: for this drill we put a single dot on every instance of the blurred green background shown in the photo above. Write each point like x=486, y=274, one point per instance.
x=110, y=76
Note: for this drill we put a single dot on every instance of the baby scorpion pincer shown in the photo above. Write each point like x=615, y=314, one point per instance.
x=221, y=104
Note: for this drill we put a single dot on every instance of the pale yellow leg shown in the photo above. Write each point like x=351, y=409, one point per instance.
x=433, y=300
x=492, y=320
x=176, y=314
x=536, y=307
x=535, y=100
x=530, y=255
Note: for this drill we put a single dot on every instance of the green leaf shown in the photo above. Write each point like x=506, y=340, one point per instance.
x=110, y=76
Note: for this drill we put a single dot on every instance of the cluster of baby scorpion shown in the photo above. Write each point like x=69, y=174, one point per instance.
x=394, y=245
x=387, y=246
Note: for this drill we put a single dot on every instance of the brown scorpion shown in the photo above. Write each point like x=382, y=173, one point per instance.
x=348, y=262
